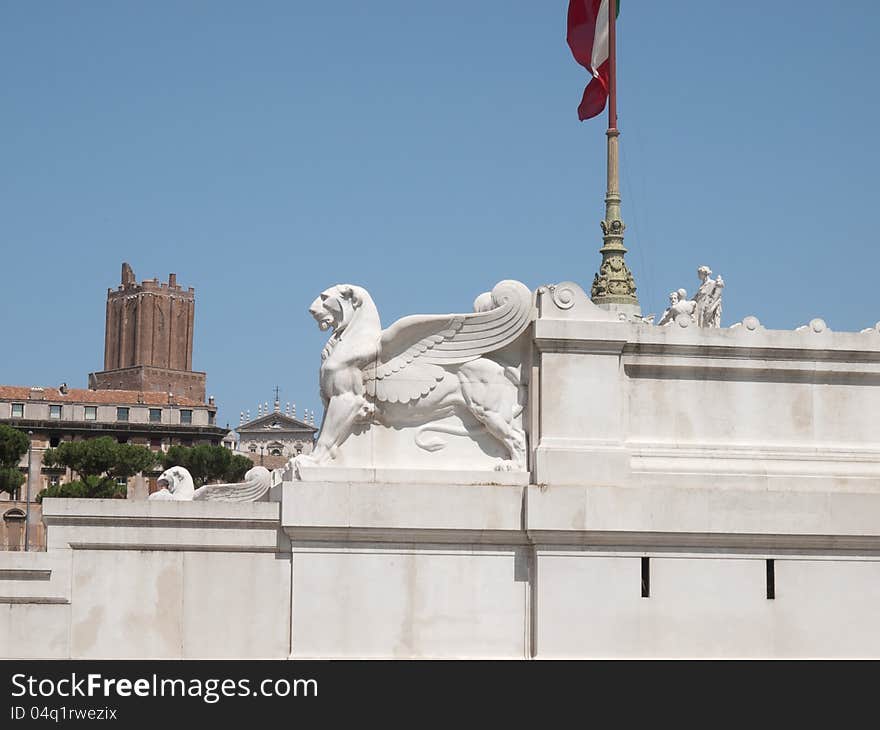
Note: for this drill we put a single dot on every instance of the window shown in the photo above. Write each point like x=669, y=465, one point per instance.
x=91, y=413
x=54, y=441
x=187, y=442
x=18, y=410
x=121, y=482
x=155, y=415
x=122, y=439
x=186, y=416
x=211, y=417
x=156, y=443
x=54, y=480
x=122, y=414
x=276, y=452
x=54, y=411
x=252, y=448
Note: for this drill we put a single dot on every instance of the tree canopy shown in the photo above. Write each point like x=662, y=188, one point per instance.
x=99, y=462
x=13, y=445
x=207, y=463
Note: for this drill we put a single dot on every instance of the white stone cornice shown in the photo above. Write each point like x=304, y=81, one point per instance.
x=97, y=524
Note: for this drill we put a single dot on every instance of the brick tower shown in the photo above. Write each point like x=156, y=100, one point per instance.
x=148, y=339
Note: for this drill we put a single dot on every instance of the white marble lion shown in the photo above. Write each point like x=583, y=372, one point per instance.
x=419, y=370
x=177, y=485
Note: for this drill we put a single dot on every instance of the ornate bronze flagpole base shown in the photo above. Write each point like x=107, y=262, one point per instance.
x=614, y=287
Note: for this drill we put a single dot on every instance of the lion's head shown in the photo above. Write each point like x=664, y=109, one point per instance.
x=334, y=307
x=176, y=480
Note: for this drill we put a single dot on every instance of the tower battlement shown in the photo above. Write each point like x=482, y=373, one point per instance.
x=148, y=337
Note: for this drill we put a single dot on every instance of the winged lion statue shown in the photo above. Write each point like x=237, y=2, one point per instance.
x=176, y=485
x=419, y=370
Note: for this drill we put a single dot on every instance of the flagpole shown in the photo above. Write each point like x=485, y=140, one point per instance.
x=612, y=66
x=613, y=287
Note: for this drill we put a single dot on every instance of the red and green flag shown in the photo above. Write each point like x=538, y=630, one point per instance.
x=588, y=39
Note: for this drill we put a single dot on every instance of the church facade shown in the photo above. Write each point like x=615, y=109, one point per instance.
x=272, y=439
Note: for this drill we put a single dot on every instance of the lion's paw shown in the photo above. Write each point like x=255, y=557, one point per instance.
x=506, y=465
x=299, y=461
x=366, y=412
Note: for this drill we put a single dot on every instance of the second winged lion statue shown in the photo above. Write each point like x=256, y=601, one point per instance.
x=419, y=370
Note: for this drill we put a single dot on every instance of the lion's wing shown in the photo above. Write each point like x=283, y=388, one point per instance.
x=414, y=349
x=256, y=484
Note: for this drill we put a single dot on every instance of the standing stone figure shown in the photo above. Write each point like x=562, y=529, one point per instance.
x=708, y=298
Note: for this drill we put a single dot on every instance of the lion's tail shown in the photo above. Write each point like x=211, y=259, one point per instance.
x=433, y=443
x=514, y=375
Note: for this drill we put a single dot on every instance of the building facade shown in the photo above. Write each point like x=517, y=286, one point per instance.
x=55, y=415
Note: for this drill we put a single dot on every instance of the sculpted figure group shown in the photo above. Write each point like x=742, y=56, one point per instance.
x=421, y=370
x=704, y=309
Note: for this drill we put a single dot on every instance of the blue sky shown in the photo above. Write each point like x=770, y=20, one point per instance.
x=266, y=150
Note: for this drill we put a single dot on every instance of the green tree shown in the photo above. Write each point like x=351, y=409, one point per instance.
x=99, y=462
x=207, y=463
x=132, y=459
x=176, y=456
x=239, y=465
x=13, y=445
x=90, y=487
